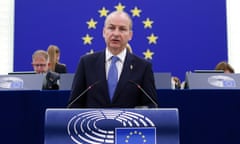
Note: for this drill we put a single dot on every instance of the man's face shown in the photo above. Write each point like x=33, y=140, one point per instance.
x=117, y=32
x=40, y=64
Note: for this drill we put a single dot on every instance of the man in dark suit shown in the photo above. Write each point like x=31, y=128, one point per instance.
x=135, y=82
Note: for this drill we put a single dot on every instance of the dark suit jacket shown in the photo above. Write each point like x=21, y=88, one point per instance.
x=91, y=69
x=60, y=68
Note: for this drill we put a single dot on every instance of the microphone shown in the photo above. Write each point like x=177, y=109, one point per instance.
x=145, y=93
x=81, y=94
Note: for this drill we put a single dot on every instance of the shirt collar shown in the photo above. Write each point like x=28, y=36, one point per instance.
x=121, y=55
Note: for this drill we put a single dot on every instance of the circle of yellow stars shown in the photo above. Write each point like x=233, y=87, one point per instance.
x=136, y=12
x=136, y=133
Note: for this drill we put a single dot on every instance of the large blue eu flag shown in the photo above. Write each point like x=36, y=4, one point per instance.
x=175, y=36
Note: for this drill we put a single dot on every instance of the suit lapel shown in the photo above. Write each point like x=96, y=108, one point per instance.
x=125, y=75
x=101, y=75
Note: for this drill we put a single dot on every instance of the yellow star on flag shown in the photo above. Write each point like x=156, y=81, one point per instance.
x=87, y=39
x=152, y=39
x=120, y=7
x=92, y=24
x=148, y=54
x=148, y=23
x=136, y=12
x=103, y=12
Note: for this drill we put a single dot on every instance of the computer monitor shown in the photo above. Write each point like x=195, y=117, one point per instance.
x=162, y=80
x=66, y=81
x=208, y=71
x=22, y=72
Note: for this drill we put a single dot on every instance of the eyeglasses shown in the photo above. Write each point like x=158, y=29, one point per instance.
x=39, y=65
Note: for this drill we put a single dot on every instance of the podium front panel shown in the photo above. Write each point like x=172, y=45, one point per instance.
x=112, y=126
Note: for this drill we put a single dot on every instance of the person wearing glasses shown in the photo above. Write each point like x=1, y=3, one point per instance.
x=40, y=63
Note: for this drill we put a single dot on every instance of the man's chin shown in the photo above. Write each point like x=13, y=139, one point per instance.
x=115, y=46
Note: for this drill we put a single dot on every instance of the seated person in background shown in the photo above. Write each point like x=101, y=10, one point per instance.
x=54, y=56
x=40, y=65
x=176, y=83
x=40, y=61
x=226, y=67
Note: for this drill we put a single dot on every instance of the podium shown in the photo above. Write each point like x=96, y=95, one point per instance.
x=112, y=126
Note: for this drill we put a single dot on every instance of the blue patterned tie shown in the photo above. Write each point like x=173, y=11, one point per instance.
x=112, y=76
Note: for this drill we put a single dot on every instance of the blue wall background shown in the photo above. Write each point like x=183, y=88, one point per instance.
x=191, y=34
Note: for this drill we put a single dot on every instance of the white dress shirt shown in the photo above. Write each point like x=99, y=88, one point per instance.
x=119, y=63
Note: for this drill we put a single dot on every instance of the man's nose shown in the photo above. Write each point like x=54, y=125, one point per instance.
x=116, y=32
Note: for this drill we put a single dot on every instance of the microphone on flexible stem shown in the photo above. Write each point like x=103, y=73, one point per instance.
x=145, y=93
x=81, y=94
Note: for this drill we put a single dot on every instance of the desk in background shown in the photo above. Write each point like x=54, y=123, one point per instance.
x=206, y=116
